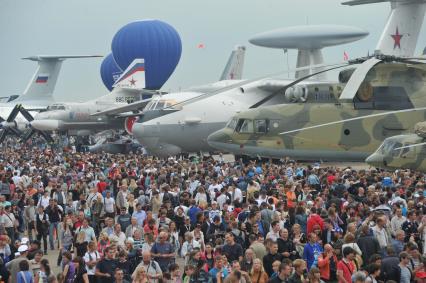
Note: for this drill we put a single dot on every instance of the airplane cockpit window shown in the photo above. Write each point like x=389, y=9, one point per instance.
x=160, y=105
x=245, y=126
x=232, y=123
x=260, y=126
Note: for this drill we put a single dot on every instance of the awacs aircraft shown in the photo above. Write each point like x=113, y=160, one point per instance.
x=75, y=118
x=36, y=97
x=333, y=131
x=402, y=151
x=111, y=115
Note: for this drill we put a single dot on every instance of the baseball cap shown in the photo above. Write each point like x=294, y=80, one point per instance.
x=23, y=248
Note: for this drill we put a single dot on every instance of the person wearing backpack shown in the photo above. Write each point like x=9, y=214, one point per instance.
x=91, y=258
x=153, y=270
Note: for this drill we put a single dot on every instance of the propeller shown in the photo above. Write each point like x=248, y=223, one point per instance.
x=11, y=127
x=27, y=115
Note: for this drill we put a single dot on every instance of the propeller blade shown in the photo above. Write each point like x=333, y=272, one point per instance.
x=27, y=115
x=266, y=99
x=357, y=78
x=354, y=119
x=28, y=135
x=15, y=131
x=13, y=113
x=3, y=135
x=410, y=146
x=46, y=136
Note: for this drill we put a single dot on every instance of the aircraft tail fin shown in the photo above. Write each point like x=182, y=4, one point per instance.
x=234, y=68
x=401, y=32
x=133, y=78
x=424, y=51
x=43, y=82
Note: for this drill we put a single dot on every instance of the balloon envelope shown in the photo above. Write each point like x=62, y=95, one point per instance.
x=155, y=41
x=110, y=72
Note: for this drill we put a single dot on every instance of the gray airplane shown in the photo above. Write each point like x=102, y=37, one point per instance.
x=16, y=110
x=109, y=112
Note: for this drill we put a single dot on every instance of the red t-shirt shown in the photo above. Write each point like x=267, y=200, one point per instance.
x=348, y=269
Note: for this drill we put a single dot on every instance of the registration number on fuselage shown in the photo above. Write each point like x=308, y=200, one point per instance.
x=125, y=99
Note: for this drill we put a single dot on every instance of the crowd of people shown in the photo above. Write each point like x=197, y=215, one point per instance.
x=131, y=218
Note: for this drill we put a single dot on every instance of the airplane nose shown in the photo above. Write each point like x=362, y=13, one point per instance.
x=375, y=160
x=145, y=134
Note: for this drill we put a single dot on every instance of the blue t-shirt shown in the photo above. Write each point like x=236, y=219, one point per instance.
x=213, y=272
x=311, y=253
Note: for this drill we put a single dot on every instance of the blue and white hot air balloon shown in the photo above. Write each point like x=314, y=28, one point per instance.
x=110, y=72
x=157, y=42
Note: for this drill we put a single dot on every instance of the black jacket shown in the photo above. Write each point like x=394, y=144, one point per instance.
x=269, y=259
x=40, y=226
x=369, y=246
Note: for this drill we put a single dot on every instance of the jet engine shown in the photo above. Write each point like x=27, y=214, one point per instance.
x=296, y=94
x=345, y=75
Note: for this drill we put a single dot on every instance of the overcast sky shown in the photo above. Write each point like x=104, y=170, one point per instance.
x=75, y=27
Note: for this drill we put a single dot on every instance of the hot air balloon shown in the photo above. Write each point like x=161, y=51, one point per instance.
x=110, y=72
x=155, y=41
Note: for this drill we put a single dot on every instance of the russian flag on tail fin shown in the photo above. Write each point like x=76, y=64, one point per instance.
x=42, y=79
x=133, y=77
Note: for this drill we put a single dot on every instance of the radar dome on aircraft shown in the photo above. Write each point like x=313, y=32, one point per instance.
x=308, y=37
x=110, y=72
x=157, y=42
x=309, y=40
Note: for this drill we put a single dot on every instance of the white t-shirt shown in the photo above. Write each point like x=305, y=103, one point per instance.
x=90, y=257
x=109, y=205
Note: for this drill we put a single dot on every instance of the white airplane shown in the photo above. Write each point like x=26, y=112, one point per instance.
x=83, y=119
x=187, y=130
x=37, y=95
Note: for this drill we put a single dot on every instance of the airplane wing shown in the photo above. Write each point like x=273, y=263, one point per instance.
x=246, y=82
x=135, y=106
x=362, y=2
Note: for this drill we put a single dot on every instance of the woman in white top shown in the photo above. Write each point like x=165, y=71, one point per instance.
x=201, y=196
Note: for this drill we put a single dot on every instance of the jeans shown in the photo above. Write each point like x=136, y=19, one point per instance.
x=52, y=227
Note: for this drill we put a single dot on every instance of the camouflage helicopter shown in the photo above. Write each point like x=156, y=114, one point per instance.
x=383, y=97
x=402, y=151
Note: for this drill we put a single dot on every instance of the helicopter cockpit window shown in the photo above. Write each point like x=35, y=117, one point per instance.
x=261, y=126
x=396, y=149
x=245, y=126
x=407, y=152
x=232, y=123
